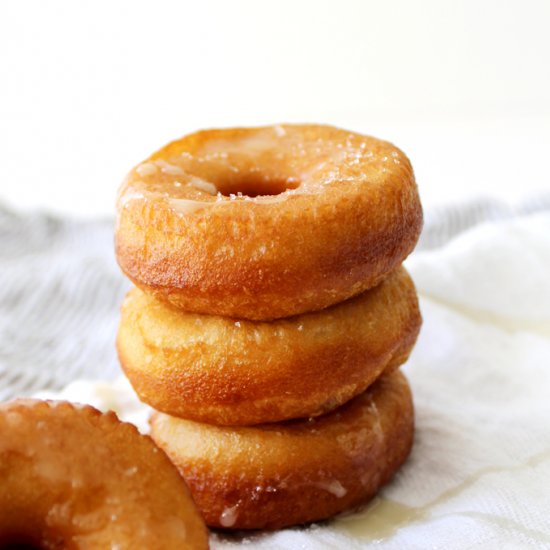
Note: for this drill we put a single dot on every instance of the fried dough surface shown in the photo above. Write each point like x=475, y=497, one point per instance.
x=276, y=475
x=221, y=371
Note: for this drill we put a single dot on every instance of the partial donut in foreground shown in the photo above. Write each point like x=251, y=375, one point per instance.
x=276, y=475
x=221, y=371
x=72, y=477
x=264, y=223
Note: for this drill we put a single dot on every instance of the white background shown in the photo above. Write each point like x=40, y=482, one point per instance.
x=88, y=89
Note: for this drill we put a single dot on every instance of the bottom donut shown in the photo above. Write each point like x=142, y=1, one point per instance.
x=276, y=475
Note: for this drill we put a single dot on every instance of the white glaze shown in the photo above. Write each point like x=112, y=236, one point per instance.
x=203, y=185
x=186, y=206
x=229, y=516
x=168, y=168
x=147, y=169
x=334, y=487
x=129, y=195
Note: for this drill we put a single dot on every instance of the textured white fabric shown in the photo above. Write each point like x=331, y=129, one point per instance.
x=479, y=473
x=60, y=292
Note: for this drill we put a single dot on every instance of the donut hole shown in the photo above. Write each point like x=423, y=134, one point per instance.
x=19, y=542
x=20, y=546
x=255, y=185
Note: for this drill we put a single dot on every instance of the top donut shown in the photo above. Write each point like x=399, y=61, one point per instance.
x=264, y=223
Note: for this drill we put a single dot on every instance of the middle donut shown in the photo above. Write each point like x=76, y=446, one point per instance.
x=234, y=372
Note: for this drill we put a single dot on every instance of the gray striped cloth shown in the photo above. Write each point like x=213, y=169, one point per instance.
x=60, y=291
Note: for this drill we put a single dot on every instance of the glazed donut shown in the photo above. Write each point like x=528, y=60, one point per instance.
x=72, y=477
x=276, y=475
x=217, y=370
x=264, y=223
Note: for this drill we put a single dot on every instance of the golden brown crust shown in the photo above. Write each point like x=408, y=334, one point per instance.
x=354, y=218
x=74, y=478
x=275, y=475
x=221, y=371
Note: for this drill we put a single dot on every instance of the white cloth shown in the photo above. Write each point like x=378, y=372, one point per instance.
x=60, y=292
x=479, y=473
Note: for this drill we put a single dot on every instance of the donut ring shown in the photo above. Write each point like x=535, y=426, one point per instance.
x=76, y=478
x=264, y=223
x=213, y=369
x=276, y=475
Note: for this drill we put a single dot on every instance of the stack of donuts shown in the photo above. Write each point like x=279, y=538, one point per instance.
x=270, y=315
